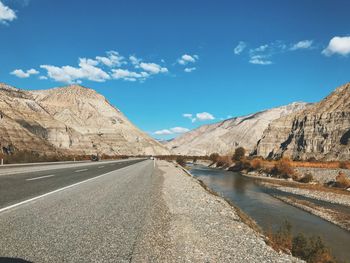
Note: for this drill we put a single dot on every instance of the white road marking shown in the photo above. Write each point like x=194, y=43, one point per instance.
x=100, y=166
x=40, y=177
x=82, y=170
x=58, y=190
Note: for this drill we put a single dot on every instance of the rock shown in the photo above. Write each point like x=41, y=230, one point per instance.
x=321, y=131
x=224, y=137
x=69, y=120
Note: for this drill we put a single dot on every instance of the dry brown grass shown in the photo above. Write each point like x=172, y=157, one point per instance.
x=309, y=164
x=325, y=165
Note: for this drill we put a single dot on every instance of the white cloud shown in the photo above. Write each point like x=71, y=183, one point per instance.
x=153, y=68
x=240, y=47
x=189, y=116
x=93, y=69
x=113, y=59
x=185, y=59
x=175, y=130
x=189, y=70
x=135, y=61
x=262, y=55
x=24, y=74
x=68, y=74
x=204, y=116
x=129, y=75
x=304, y=44
x=262, y=48
x=259, y=60
x=42, y=77
x=338, y=45
x=179, y=130
x=6, y=14
x=163, y=132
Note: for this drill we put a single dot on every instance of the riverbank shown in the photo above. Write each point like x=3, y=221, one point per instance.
x=200, y=227
x=331, y=215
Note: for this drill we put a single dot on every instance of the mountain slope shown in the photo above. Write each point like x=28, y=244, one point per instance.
x=71, y=120
x=321, y=131
x=223, y=137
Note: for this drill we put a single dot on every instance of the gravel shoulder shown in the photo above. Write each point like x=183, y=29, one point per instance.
x=200, y=227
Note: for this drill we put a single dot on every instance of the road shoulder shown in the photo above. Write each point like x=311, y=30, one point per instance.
x=201, y=227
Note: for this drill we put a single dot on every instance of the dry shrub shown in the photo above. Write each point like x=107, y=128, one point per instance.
x=312, y=249
x=307, y=178
x=283, y=168
x=256, y=164
x=214, y=157
x=282, y=239
x=242, y=165
x=342, y=181
x=223, y=161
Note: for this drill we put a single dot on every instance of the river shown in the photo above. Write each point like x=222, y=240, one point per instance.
x=268, y=212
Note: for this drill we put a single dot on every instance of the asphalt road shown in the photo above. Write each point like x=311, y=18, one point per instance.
x=15, y=188
x=98, y=220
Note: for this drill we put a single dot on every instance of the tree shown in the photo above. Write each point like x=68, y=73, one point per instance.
x=239, y=154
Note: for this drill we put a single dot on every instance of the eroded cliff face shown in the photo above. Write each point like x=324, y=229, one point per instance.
x=70, y=120
x=224, y=137
x=321, y=131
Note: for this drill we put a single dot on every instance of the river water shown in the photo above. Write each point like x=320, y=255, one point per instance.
x=268, y=212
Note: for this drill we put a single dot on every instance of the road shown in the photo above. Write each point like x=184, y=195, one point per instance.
x=96, y=217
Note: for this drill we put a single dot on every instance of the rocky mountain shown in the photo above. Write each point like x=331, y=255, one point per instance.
x=321, y=131
x=224, y=137
x=70, y=120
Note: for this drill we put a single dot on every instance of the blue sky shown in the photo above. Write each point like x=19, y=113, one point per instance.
x=158, y=60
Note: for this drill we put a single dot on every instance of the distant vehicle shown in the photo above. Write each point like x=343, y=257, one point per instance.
x=151, y=158
x=95, y=158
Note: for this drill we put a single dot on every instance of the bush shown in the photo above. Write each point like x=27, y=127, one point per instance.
x=181, y=160
x=283, y=168
x=214, y=157
x=283, y=237
x=223, y=161
x=242, y=165
x=312, y=249
x=342, y=181
x=256, y=164
x=307, y=178
x=239, y=154
x=300, y=246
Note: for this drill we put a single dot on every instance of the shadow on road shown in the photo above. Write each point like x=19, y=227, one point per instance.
x=13, y=260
